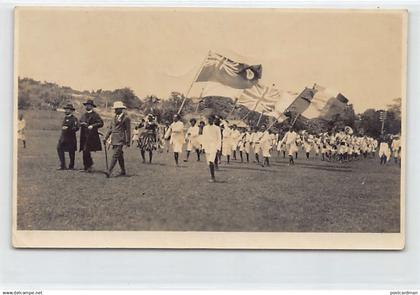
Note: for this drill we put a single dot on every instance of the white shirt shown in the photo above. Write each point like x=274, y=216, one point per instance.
x=265, y=139
x=236, y=135
x=290, y=137
x=257, y=137
x=212, y=138
x=177, y=132
x=227, y=133
x=395, y=144
x=192, y=132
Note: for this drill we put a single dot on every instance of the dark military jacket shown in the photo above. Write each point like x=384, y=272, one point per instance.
x=67, y=140
x=89, y=139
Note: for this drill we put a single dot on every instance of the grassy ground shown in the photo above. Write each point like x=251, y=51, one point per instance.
x=313, y=196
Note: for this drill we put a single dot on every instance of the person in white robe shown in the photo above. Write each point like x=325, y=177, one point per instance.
x=298, y=144
x=308, y=141
x=325, y=148
x=317, y=145
x=236, y=137
x=256, y=143
x=396, y=148
x=289, y=140
x=384, y=151
x=246, y=144
x=176, y=134
x=192, y=139
x=281, y=146
x=211, y=141
x=265, y=144
x=227, y=141
x=21, y=130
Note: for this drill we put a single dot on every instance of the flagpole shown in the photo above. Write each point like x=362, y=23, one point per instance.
x=294, y=121
x=233, y=108
x=259, y=119
x=199, y=100
x=296, y=98
x=246, y=115
x=272, y=124
x=192, y=83
x=256, y=104
x=253, y=110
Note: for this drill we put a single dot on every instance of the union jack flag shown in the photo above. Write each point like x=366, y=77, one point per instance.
x=222, y=63
x=218, y=68
x=260, y=98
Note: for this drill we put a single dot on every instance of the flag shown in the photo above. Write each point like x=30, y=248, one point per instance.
x=259, y=98
x=208, y=89
x=198, y=99
x=284, y=101
x=218, y=68
x=302, y=102
x=319, y=102
x=268, y=100
x=325, y=104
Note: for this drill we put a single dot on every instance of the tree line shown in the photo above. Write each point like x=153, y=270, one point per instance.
x=33, y=94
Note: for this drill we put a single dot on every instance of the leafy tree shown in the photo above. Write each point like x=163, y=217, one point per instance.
x=393, y=119
x=150, y=103
x=24, y=101
x=127, y=96
x=370, y=123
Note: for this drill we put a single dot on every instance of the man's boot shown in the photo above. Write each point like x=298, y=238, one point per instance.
x=111, y=167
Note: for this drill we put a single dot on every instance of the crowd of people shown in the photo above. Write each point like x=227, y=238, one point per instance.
x=216, y=139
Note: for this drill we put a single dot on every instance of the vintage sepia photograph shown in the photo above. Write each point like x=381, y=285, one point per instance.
x=209, y=128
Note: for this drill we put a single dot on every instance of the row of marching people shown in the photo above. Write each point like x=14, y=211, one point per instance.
x=341, y=146
x=260, y=142
x=201, y=138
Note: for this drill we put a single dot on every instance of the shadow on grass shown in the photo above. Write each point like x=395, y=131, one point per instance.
x=326, y=168
x=220, y=181
x=124, y=176
x=250, y=169
x=308, y=164
x=152, y=164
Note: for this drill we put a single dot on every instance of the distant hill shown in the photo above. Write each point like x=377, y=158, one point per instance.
x=35, y=94
x=50, y=96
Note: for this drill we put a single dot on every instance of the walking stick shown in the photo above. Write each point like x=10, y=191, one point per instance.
x=106, y=151
x=106, y=156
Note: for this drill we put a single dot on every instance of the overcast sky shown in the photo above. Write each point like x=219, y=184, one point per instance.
x=158, y=51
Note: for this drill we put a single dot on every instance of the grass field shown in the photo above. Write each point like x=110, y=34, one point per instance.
x=312, y=196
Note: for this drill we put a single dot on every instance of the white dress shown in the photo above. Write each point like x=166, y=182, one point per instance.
x=307, y=144
x=265, y=144
x=177, y=136
x=192, y=138
x=257, y=141
x=236, y=138
x=395, y=145
x=227, y=141
x=289, y=140
x=246, y=143
x=211, y=141
x=384, y=150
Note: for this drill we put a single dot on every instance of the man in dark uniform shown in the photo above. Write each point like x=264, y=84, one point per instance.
x=89, y=136
x=68, y=141
x=119, y=130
